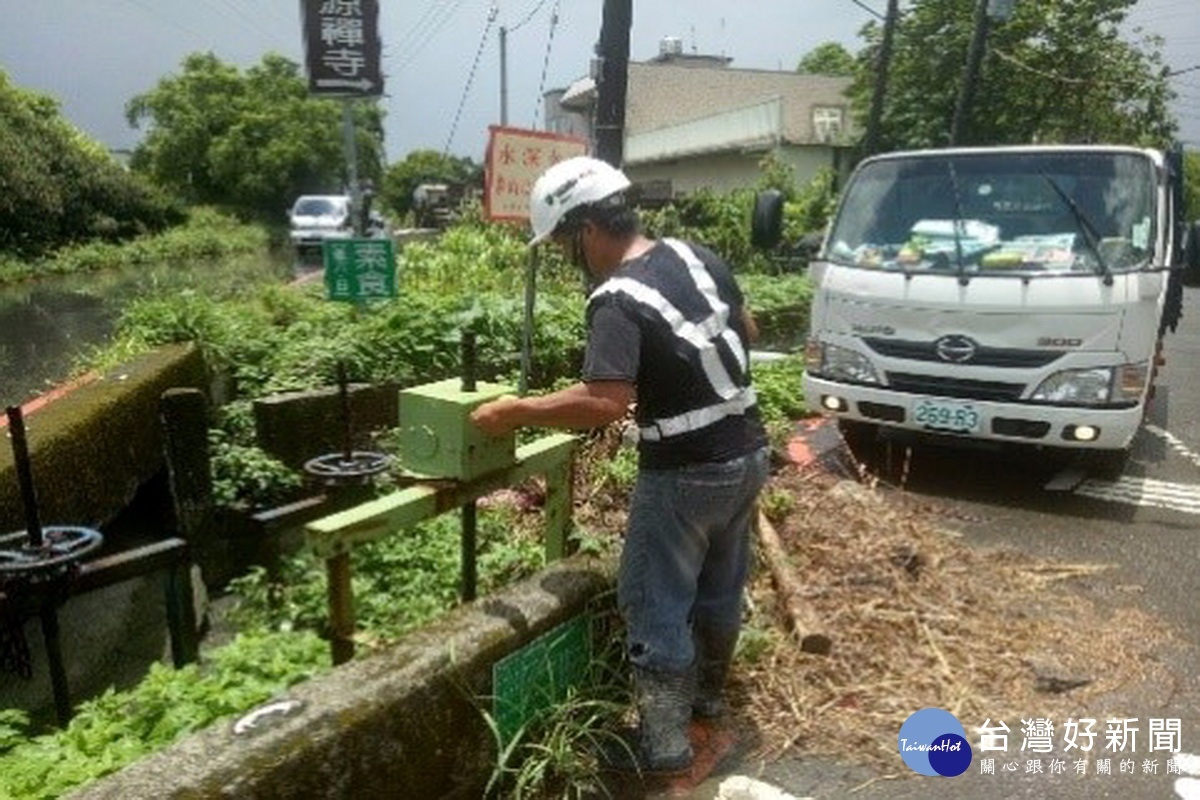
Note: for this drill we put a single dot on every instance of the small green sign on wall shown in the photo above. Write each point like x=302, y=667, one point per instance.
x=360, y=269
x=540, y=675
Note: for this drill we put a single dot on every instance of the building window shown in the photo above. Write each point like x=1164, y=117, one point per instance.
x=827, y=123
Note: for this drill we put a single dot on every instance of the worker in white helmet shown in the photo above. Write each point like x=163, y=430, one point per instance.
x=667, y=328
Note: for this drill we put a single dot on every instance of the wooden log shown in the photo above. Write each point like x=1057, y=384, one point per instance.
x=807, y=629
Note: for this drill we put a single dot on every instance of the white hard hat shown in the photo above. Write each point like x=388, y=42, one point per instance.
x=568, y=185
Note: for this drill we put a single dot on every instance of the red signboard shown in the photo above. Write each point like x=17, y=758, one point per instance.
x=515, y=159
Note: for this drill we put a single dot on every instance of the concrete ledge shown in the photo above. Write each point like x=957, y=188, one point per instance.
x=93, y=447
x=402, y=723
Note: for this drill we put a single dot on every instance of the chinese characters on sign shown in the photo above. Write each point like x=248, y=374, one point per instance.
x=1085, y=749
x=515, y=158
x=360, y=269
x=341, y=46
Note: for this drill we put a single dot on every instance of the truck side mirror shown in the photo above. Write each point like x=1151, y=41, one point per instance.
x=1191, y=255
x=766, y=225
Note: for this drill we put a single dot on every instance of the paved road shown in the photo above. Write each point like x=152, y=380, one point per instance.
x=1144, y=524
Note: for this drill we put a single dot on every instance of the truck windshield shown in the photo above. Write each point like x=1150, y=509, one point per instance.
x=1004, y=212
x=318, y=206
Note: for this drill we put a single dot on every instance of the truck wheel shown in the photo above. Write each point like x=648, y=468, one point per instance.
x=861, y=437
x=1107, y=464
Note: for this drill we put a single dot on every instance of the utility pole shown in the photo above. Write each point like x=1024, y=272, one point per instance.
x=613, y=80
x=881, y=76
x=503, y=75
x=966, y=92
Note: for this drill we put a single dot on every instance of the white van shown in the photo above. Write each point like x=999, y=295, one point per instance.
x=317, y=217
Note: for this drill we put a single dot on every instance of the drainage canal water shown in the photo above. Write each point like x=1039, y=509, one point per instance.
x=48, y=325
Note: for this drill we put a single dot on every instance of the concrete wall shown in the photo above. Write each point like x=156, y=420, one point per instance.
x=297, y=426
x=403, y=723
x=92, y=448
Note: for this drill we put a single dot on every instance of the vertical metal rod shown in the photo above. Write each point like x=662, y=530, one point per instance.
x=351, y=147
x=344, y=400
x=503, y=75
x=468, y=361
x=527, y=327
x=341, y=608
x=470, y=526
x=469, y=512
x=58, y=671
x=20, y=446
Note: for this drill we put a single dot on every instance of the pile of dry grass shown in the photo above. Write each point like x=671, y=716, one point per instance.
x=919, y=619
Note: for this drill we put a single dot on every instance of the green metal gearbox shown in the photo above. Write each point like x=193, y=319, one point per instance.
x=438, y=439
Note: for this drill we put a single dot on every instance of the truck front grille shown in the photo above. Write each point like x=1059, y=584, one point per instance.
x=955, y=387
x=1008, y=357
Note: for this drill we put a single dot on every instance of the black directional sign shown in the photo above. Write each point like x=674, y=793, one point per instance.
x=341, y=47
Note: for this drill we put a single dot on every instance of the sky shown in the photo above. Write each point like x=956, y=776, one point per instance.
x=441, y=58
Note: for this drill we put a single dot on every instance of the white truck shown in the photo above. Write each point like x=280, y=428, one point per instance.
x=1003, y=294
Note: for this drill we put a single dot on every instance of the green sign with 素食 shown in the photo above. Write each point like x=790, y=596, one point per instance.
x=360, y=269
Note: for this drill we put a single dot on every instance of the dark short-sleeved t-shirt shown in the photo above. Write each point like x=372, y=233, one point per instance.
x=670, y=321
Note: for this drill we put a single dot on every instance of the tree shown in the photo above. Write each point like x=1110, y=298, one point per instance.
x=829, y=58
x=425, y=166
x=1057, y=71
x=252, y=141
x=1191, y=184
x=59, y=186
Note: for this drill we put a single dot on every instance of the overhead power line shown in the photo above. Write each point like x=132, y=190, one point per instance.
x=418, y=39
x=1077, y=81
x=868, y=9
x=532, y=13
x=545, y=63
x=491, y=18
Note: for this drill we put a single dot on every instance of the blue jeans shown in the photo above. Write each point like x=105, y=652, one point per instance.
x=686, y=556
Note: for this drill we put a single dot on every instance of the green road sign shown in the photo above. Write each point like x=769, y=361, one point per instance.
x=359, y=269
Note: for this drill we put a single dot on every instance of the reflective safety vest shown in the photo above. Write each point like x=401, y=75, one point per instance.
x=706, y=338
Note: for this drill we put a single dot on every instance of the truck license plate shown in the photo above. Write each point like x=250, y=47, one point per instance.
x=946, y=415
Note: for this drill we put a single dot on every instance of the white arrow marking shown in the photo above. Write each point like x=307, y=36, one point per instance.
x=339, y=83
x=251, y=720
x=1145, y=492
x=1188, y=764
x=1175, y=443
x=1188, y=788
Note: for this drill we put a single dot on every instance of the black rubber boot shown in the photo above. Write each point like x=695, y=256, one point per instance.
x=660, y=745
x=714, y=654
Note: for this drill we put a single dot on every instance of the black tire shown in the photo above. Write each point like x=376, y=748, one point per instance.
x=861, y=437
x=766, y=225
x=1106, y=465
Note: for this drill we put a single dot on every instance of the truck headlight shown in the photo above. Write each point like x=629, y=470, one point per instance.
x=1120, y=385
x=1129, y=382
x=838, y=363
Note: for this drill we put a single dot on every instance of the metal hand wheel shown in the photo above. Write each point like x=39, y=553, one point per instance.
x=61, y=544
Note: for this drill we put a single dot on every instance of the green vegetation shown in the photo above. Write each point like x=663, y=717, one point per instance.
x=554, y=754
x=117, y=728
x=828, y=58
x=251, y=140
x=206, y=235
x=425, y=166
x=61, y=188
x=1057, y=71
